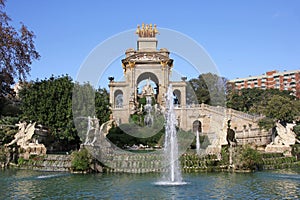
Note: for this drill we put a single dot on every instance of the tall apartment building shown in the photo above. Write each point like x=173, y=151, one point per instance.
x=287, y=80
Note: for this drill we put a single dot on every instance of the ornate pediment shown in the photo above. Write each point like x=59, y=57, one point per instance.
x=147, y=57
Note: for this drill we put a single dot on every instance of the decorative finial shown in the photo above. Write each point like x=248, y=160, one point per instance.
x=155, y=30
x=111, y=78
x=146, y=30
x=138, y=29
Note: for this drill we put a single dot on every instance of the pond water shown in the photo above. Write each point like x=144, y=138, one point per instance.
x=26, y=184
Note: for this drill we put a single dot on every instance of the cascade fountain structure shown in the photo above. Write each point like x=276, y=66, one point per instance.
x=148, y=63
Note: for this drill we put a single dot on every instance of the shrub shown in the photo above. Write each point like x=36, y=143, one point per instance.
x=21, y=161
x=130, y=134
x=224, y=156
x=250, y=158
x=80, y=160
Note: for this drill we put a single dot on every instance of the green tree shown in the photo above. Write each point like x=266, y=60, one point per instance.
x=49, y=102
x=216, y=87
x=281, y=108
x=266, y=123
x=102, y=105
x=60, y=104
x=10, y=107
x=17, y=52
x=200, y=89
x=296, y=129
x=7, y=129
x=245, y=99
x=83, y=106
x=236, y=101
x=254, y=100
x=88, y=102
x=209, y=88
x=83, y=100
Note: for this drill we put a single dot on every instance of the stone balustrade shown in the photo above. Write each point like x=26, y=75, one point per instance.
x=253, y=136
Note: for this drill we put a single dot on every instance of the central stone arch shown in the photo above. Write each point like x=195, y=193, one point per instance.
x=147, y=75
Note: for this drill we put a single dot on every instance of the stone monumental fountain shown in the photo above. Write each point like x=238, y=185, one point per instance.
x=148, y=63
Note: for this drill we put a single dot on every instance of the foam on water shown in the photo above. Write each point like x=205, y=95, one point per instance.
x=48, y=176
x=170, y=183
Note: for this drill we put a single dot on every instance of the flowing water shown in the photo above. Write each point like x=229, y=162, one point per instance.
x=26, y=184
x=197, y=143
x=173, y=172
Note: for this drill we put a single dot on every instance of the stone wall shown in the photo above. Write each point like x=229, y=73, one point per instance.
x=49, y=162
x=134, y=163
x=146, y=163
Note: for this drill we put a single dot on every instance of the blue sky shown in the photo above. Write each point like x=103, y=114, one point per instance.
x=242, y=37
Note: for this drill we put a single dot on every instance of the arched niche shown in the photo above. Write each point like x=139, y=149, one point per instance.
x=119, y=99
x=147, y=75
x=197, y=125
x=177, y=95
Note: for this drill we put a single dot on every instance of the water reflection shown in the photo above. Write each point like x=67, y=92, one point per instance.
x=285, y=184
x=21, y=184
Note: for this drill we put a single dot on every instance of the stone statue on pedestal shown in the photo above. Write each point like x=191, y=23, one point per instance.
x=148, y=89
x=146, y=30
x=284, y=139
x=24, y=134
x=24, y=139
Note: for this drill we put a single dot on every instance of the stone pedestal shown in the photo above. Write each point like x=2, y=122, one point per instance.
x=147, y=44
x=33, y=149
x=278, y=149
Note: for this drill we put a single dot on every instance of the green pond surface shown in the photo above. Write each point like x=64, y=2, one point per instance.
x=26, y=184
